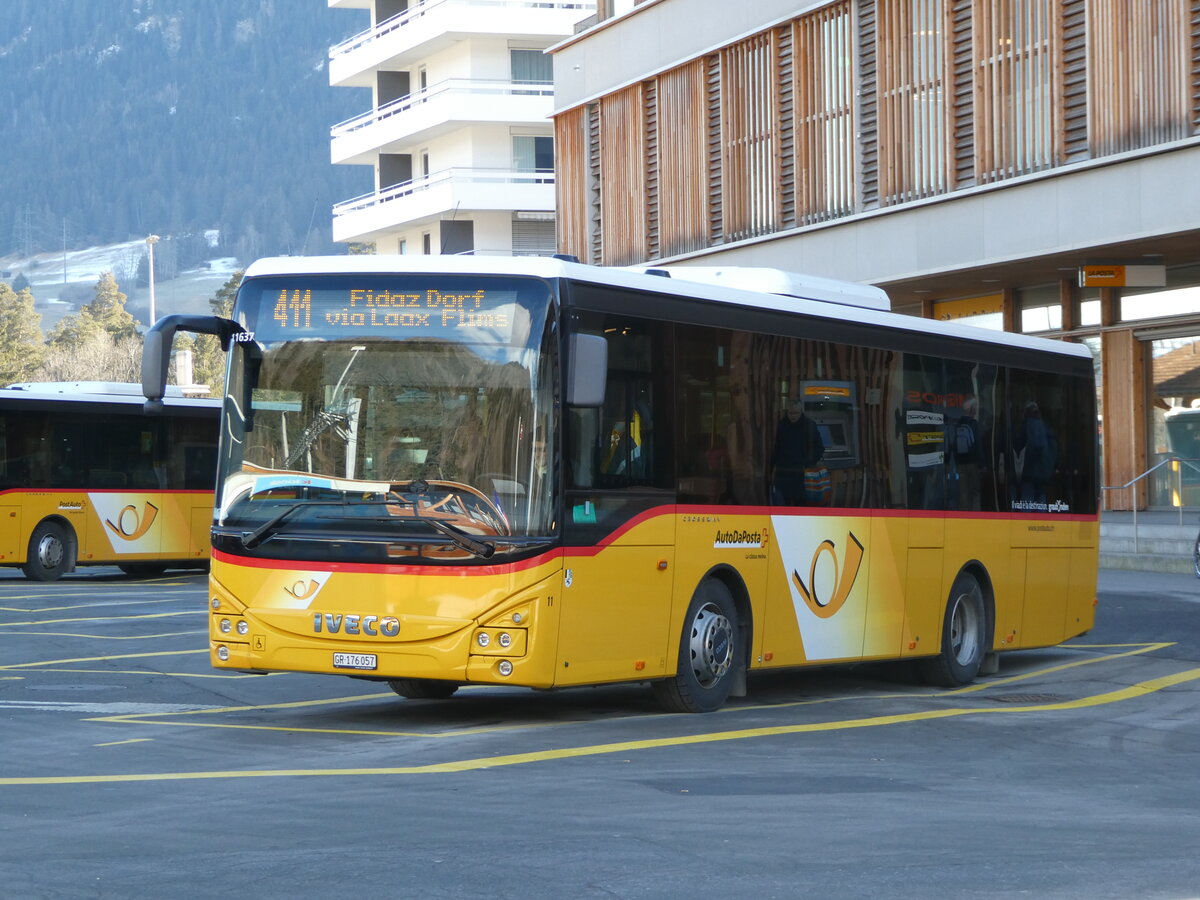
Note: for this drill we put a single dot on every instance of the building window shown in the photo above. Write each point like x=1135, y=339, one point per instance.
x=824, y=113
x=910, y=49
x=749, y=158
x=533, y=234
x=533, y=154
x=531, y=67
x=1138, y=73
x=1015, y=76
x=426, y=243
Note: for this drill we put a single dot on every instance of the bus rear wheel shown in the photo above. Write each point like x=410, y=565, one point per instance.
x=49, y=553
x=965, y=639
x=709, y=653
x=423, y=688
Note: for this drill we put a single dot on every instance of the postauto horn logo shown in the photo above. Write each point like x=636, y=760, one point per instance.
x=825, y=607
x=131, y=525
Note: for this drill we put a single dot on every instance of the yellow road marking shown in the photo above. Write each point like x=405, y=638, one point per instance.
x=181, y=612
x=1134, y=691
x=162, y=718
x=119, y=743
x=146, y=672
x=59, y=662
x=173, y=598
x=104, y=637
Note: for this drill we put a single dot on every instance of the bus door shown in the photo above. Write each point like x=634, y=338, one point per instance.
x=124, y=478
x=922, y=424
x=619, y=520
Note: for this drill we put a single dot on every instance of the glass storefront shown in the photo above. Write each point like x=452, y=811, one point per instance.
x=1173, y=419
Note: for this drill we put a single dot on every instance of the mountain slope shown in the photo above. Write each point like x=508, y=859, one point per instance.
x=126, y=117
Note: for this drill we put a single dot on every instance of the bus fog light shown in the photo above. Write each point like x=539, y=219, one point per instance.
x=226, y=626
x=504, y=639
x=483, y=639
x=243, y=627
x=505, y=668
x=223, y=653
x=216, y=603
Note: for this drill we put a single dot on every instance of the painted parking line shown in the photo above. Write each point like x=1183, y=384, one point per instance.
x=85, y=659
x=166, y=615
x=179, y=719
x=107, y=637
x=1132, y=692
x=105, y=604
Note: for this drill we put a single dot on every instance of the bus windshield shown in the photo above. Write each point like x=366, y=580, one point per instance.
x=384, y=417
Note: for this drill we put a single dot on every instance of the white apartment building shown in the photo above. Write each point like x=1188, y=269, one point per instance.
x=458, y=130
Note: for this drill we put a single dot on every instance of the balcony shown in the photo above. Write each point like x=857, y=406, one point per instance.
x=455, y=191
x=444, y=107
x=426, y=28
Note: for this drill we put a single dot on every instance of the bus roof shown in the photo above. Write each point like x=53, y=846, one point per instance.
x=808, y=295
x=63, y=392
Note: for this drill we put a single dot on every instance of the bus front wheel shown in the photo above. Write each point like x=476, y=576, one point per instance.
x=423, y=688
x=49, y=553
x=709, y=653
x=964, y=636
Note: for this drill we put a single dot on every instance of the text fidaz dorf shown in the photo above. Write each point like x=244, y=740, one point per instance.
x=432, y=308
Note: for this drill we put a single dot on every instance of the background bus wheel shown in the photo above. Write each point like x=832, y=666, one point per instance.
x=709, y=653
x=964, y=636
x=423, y=688
x=48, y=555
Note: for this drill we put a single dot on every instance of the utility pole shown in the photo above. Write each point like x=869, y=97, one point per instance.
x=151, y=240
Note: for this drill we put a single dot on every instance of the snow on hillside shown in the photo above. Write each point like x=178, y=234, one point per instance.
x=57, y=279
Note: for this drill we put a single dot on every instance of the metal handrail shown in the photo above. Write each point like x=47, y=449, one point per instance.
x=1177, y=463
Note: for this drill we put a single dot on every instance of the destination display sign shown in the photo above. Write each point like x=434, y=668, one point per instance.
x=471, y=315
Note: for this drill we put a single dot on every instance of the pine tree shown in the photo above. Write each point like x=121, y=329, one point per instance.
x=208, y=360
x=108, y=311
x=21, y=340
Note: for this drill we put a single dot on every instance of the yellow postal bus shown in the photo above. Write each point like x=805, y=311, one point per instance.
x=446, y=471
x=86, y=478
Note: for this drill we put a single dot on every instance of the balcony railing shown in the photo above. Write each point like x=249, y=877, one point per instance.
x=415, y=12
x=450, y=87
x=446, y=178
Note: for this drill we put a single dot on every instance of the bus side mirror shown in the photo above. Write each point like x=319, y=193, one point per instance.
x=588, y=362
x=156, y=350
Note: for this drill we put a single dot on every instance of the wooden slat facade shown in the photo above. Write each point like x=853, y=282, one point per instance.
x=862, y=104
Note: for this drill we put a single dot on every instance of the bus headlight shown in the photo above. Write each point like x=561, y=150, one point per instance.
x=215, y=602
x=504, y=668
x=243, y=627
x=226, y=626
x=504, y=639
x=223, y=653
x=483, y=639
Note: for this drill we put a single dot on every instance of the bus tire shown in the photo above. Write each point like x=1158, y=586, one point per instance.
x=423, y=688
x=49, y=556
x=965, y=638
x=709, y=653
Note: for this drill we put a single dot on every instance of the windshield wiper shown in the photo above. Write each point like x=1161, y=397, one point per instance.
x=252, y=539
x=483, y=549
x=460, y=538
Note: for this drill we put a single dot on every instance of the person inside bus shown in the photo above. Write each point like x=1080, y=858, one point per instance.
x=1036, y=447
x=798, y=447
x=966, y=445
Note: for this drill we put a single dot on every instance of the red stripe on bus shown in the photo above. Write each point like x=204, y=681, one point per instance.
x=385, y=568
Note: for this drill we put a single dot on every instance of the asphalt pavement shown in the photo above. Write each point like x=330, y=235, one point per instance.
x=129, y=768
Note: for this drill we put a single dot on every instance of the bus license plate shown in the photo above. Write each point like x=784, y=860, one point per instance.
x=354, y=661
